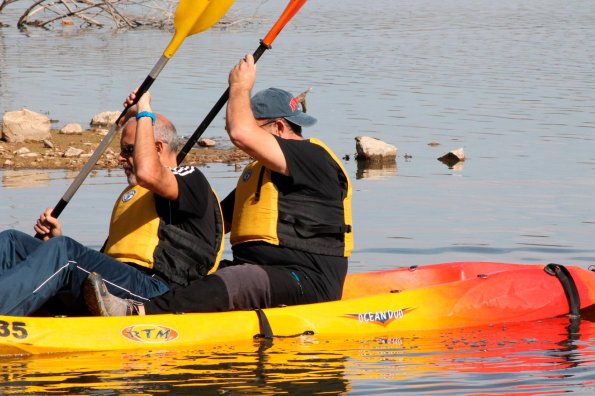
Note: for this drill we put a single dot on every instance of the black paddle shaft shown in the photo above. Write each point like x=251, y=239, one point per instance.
x=214, y=111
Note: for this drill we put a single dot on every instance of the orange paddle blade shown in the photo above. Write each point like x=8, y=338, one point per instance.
x=292, y=8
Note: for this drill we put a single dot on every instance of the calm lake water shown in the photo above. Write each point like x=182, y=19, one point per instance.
x=512, y=82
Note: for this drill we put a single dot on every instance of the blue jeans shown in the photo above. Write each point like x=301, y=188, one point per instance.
x=33, y=271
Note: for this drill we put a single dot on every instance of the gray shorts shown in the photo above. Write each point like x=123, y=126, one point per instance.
x=248, y=286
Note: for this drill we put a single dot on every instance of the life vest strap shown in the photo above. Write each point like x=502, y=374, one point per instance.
x=259, y=184
x=311, y=230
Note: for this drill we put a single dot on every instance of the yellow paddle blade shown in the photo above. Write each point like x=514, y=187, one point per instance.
x=213, y=13
x=194, y=16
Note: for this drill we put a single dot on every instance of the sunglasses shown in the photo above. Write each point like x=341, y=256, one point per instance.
x=127, y=150
x=269, y=122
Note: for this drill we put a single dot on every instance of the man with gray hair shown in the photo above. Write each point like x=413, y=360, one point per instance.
x=166, y=229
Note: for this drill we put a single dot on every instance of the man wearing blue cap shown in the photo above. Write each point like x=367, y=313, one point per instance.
x=289, y=215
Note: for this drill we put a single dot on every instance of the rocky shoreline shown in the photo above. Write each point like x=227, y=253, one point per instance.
x=72, y=151
x=29, y=142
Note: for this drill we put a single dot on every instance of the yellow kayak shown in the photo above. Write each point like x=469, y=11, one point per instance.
x=432, y=297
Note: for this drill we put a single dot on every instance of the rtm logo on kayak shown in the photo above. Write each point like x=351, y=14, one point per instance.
x=150, y=333
x=382, y=318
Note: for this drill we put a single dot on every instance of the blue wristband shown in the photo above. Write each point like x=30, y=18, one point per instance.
x=146, y=114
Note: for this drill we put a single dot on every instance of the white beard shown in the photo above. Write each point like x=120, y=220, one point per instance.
x=131, y=180
x=131, y=177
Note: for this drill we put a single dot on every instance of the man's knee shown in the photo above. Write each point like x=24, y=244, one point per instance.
x=12, y=235
x=71, y=248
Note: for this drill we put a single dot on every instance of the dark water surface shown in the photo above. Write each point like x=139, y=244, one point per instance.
x=512, y=82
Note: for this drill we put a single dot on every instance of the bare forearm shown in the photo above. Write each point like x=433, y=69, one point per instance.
x=146, y=161
x=240, y=121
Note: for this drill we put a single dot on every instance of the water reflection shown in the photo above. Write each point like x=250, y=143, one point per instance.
x=25, y=178
x=35, y=178
x=376, y=169
x=243, y=369
x=418, y=362
x=452, y=162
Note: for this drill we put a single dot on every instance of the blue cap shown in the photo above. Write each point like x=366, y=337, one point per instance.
x=277, y=103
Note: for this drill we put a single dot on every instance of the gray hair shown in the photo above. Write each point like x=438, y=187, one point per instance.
x=164, y=131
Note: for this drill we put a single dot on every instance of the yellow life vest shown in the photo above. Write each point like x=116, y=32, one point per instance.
x=134, y=237
x=133, y=227
x=292, y=220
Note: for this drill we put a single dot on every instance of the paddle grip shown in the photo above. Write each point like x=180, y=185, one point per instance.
x=213, y=113
x=141, y=91
x=55, y=213
x=144, y=87
x=59, y=208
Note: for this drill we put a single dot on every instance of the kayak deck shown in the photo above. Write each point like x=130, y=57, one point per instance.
x=431, y=297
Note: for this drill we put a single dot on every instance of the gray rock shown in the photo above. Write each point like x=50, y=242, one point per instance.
x=72, y=152
x=373, y=149
x=70, y=129
x=29, y=155
x=206, y=143
x=21, y=151
x=105, y=119
x=48, y=143
x=453, y=157
x=24, y=124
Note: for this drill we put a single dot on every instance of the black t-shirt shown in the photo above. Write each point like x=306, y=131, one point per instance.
x=194, y=212
x=194, y=209
x=312, y=172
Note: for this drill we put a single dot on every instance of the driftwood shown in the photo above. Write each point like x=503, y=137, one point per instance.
x=302, y=99
x=4, y=3
x=121, y=14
